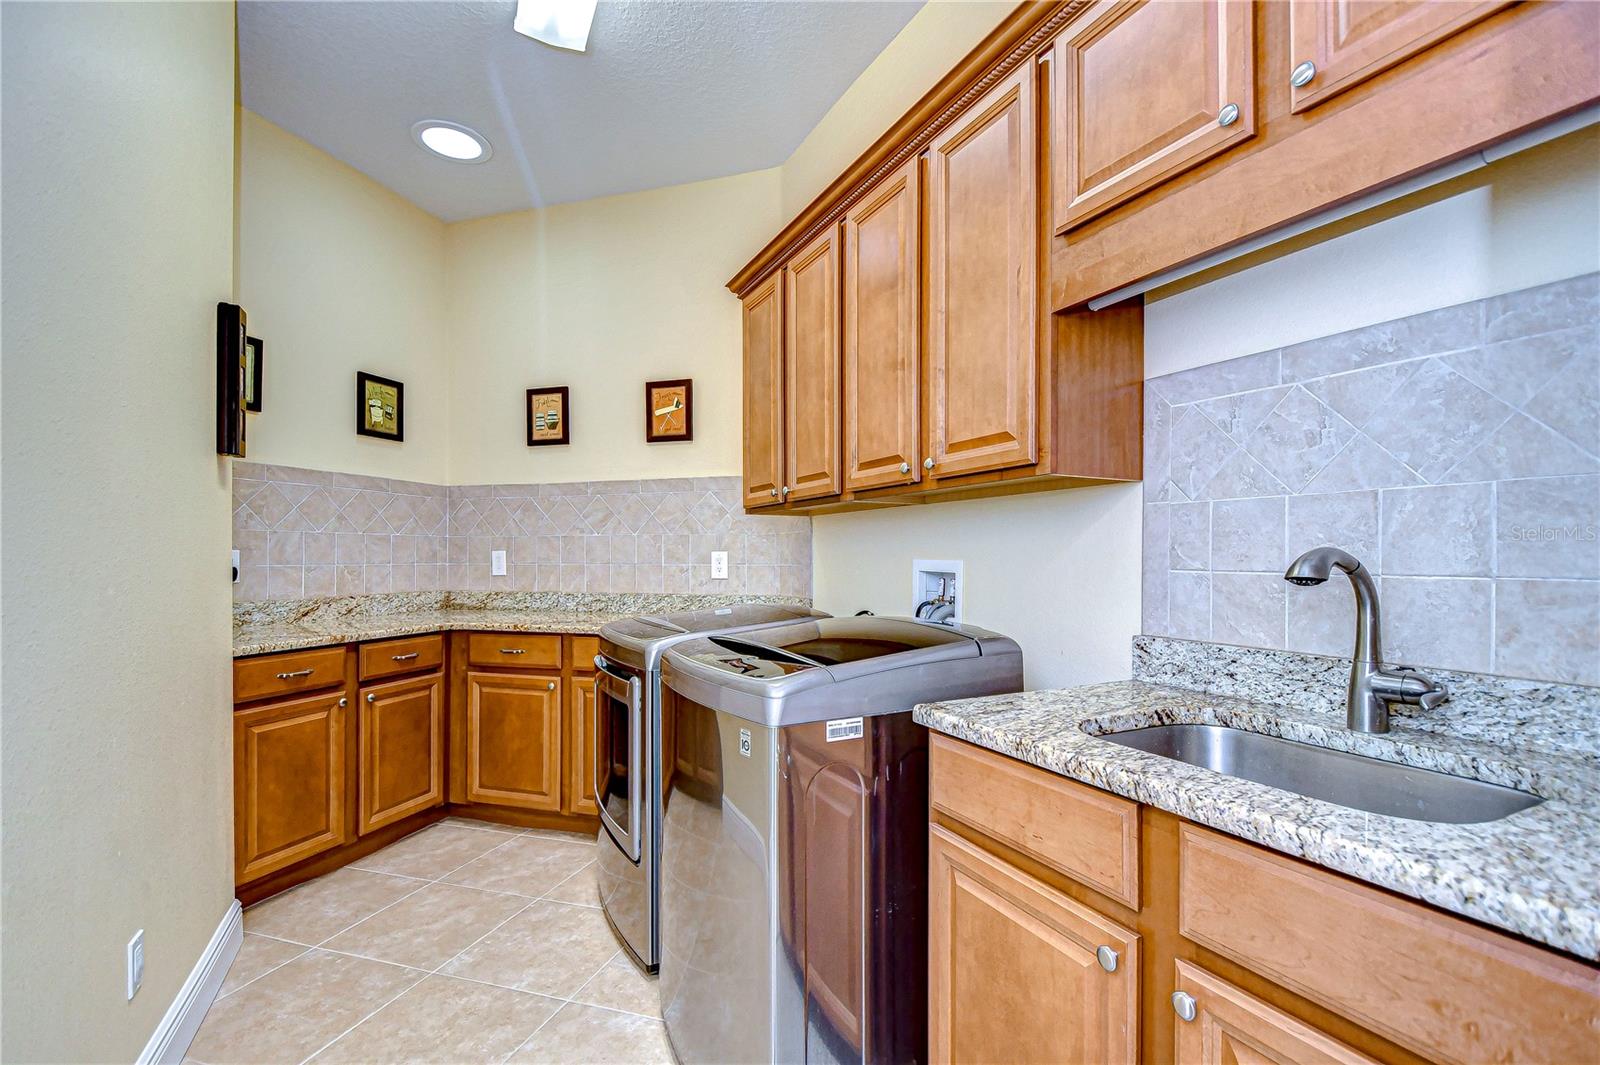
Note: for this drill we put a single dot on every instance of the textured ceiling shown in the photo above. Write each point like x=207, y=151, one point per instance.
x=669, y=90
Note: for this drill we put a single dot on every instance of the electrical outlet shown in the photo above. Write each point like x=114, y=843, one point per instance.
x=719, y=565
x=135, y=963
x=497, y=563
x=236, y=565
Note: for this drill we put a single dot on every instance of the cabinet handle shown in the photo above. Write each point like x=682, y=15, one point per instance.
x=927, y=463
x=344, y=703
x=405, y=658
x=513, y=651
x=372, y=697
x=1107, y=958
x=296, y=674
x=905, y=467
x=1228, y=115
x=1301, y=75
x=550, y=687
x=1183, y=1005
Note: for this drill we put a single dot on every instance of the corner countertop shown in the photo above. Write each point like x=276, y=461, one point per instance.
x=264, y=628
x=1535, y=873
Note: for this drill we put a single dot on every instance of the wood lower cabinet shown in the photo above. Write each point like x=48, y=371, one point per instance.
x=580, y=749
x=401, y=763
x=1345, y=42
x=1145, y=89
x=513, y=740
x=1016, y=970
x=882, y=334
x=982, y=303
x=763, y=393
x=1230, y=1026
x=811, y=370
x=288, y=782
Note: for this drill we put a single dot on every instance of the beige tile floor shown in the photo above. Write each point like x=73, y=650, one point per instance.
x=465, y=942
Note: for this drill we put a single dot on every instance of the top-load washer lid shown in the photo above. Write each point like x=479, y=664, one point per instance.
x=826, y=668
x=638, y=642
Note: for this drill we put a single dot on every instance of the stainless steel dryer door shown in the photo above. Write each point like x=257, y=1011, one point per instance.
x=619, y=772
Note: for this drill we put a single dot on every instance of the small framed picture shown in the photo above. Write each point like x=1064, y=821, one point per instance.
x=253, y=352
x=380, y=407
x=548, y=420
x=668, y=411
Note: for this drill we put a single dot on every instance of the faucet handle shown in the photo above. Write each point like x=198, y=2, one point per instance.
x=1429, y=693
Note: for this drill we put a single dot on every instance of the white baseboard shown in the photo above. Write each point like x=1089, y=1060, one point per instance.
x=170, y=1041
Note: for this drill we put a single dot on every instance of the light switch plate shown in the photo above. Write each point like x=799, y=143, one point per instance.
x=236, y=565
x=135, y=963
x=719, y=565
x=497, y=563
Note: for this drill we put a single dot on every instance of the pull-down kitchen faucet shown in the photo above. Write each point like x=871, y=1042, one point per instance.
x=1372, y=688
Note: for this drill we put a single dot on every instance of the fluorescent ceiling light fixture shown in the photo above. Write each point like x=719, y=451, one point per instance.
x=452, y=140
x=562, y=23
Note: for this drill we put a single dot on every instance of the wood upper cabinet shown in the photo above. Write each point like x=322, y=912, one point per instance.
x=288, y=782
x=1144, y=89
x=1348, y=41
x=811, y=370
x=763, y=392
x=513, y=738
x=882, y=316
x=983, y=271
x=580, y=749
x=1232, y=1027
x=401, y=764
x=1013, y=973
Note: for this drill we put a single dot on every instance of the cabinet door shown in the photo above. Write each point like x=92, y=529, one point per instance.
x=881, y=335
x=811, y=369
x=288, y=783
x=763, y=392
x=1013, y=972
x=1348, y=41
x=401, y=734
x=580, y=749
x=1141, y=88
x=983, y=271
x=513, y=729
x=1233, y=1027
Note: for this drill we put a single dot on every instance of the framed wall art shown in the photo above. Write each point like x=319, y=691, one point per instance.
x=668, y=410
x=254, y=353
x=380, y=407
x=549, y=421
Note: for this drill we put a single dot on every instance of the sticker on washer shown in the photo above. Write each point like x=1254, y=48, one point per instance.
x=744, y=742
x=844, y=728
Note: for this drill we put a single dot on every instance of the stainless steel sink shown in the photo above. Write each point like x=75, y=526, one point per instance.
x=1352, y=780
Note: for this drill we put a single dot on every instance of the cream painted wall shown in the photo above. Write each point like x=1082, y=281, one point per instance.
x=339, y=274
x=117, y=208
x=1525, y=220
x=602, y=296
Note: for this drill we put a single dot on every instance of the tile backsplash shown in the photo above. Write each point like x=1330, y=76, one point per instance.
x=1455, y=452
x=304, y=533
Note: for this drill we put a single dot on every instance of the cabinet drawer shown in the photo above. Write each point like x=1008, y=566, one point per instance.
x=514, y=649
x=1085, y=833
x=287, y=674
x=580, y=653
x=1439, y=985
x=411, y=654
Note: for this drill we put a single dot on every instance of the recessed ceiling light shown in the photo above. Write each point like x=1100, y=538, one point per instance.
x=562, y=23
x=452, y=140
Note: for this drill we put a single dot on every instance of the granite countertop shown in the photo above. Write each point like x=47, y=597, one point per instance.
x=1535, y=873
x=263, y=628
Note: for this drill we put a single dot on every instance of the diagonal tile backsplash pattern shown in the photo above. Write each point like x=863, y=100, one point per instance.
x=304, y=533
x=1456, y=452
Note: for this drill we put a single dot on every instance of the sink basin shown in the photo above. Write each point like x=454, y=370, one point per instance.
x=1352, y=780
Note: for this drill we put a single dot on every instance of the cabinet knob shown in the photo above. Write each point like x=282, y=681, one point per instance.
x=372, y=697
x=551, y=686
x=927, y=463
x=905, y=467
x=1183, y=1005
x=774, y=493
x=344, y=702
x=1228, y=115
x=1302, y=74
x=784, y=491
x=1107, y=958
